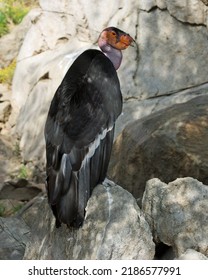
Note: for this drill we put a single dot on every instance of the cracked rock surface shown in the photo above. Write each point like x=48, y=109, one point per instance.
x=173, y=214
x=177, y=214
x=114, y=228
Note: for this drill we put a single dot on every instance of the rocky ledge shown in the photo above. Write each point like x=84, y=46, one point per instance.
x=173, y=216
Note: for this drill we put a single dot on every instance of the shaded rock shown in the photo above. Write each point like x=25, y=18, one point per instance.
x=7, y=166
x=164, y=252
x=11, y=167
x=168, y=144
x=9, y=207
x=5, y=105
x=114, y=228
x=46, y=241
x=191, y=254
x=5, y=110
x=166, y=55
x=15, y=194
x=136, y=109
x=193, y=11
x=177, y=213
x=19, y=190
x=5, y=93
x=14, y=234
x=205, y=2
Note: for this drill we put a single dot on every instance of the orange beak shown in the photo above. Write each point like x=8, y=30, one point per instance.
x=124, y=42
x=119, y=40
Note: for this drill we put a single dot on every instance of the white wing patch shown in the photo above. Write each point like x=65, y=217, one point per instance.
x=94, y=145
x=92, y=148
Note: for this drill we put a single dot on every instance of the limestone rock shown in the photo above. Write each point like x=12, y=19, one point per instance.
x=168, y=144
x=14, y=234
x=114, y=228
x=7, y=166
x=194, y=12
x=191, y=254
x=15, y=194
x=5, y=105
x=205, y=2
x=5, y=109
x=10, y=44
x=134, y=109
x=120, y=231
x=169, y=59
x=5, y=93
x=9, y=207
x=177, y=213
x=20, y=190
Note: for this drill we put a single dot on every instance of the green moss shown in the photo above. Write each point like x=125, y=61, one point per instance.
x=23, y=172
x=3, y=24
x=12, y=12
x=7, y=73
x=16, y=14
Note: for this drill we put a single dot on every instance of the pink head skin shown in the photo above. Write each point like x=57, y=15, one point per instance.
x=112, y=41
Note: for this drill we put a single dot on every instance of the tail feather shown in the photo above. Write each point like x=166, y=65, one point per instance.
x=67, y=205
x=70, y=190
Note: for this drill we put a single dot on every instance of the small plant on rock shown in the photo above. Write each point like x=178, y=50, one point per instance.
x=7, y=73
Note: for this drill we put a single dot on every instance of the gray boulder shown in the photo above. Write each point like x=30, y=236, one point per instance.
x=14, y=234
x=168, y=144
x=114, y=228
x=191, y=254
x=5, y=105
x=119, y=228
x=177, y=214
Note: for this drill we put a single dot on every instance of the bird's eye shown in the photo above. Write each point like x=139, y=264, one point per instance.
x=113, y=33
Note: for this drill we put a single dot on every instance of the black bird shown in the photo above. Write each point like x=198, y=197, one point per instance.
x=79, y=128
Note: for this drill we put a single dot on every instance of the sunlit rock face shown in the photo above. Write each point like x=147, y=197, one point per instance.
x=177, y=214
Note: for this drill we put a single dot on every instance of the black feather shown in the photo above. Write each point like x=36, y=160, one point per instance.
x=79, y=134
